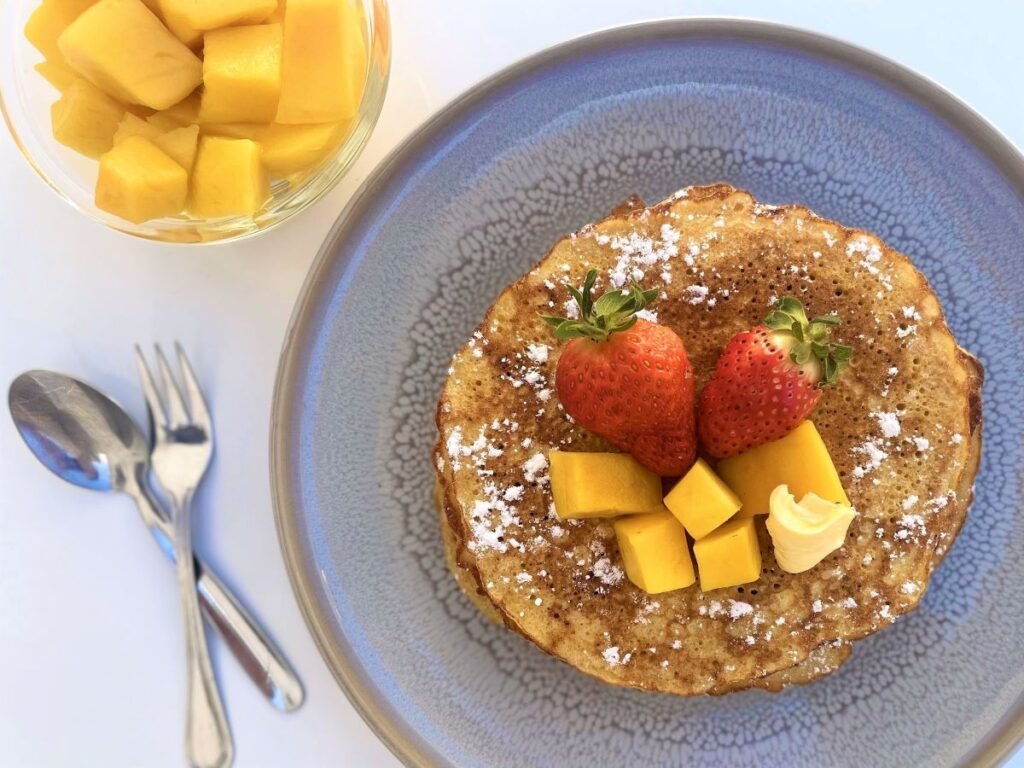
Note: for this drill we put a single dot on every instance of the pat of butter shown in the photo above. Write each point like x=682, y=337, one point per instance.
x=806, y=532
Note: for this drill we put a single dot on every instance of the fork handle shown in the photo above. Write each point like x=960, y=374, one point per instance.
x=261, y=660
x=208, y=742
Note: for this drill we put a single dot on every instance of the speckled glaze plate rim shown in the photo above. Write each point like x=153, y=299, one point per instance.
x=379, y=713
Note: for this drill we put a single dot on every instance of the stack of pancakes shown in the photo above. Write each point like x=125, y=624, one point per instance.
x=903, y=427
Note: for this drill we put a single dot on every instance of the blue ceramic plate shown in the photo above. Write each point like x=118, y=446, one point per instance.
x=466, y=206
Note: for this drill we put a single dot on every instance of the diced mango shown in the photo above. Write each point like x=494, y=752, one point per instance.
x=323, y=64
x=241, y=74
x=701, y=501
x=121, y=47
x=288, y=149
x=49, y=20
x=177, y=23
x=138, y=182
x=62, y=78
x=185, y=112
x=132, y=125
x=181, y=145
x=58, y=75
x=799, y=460
x=227, y=178
x=139, y=111
x=163, y=122
x=210, y=14
x=728, y=556
x=277, y=17
x=654, y=551
x=85, y=119
x=602, y=485
x=233, y=130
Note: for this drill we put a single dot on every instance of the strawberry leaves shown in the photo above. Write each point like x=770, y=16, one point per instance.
x=614, y=311
x=810, y=339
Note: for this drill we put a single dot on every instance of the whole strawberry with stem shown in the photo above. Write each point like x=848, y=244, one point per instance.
x=768, y=380
x=627, y=380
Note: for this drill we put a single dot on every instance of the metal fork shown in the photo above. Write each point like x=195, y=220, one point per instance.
x=183, y=447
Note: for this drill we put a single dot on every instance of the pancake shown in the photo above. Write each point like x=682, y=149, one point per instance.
x=903, y=427
x=821, y=661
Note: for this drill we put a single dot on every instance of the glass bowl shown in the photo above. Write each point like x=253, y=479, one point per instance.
x=25, y=99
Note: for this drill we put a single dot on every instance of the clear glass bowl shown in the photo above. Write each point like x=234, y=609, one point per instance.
x=25, y=99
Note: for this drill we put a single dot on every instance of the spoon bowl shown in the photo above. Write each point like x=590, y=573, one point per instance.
x=77, y=432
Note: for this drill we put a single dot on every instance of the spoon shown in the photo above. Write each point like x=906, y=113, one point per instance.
x=87, y=439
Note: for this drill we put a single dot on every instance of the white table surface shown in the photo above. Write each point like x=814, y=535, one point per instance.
x=90, y=633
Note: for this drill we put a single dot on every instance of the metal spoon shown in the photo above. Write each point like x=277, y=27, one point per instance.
x=87, y=439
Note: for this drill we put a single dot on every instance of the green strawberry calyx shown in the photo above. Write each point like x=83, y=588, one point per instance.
x=615, y=311
x=807, y=340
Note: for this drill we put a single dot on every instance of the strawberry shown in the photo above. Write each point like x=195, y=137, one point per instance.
x=627, y=380
x=768, y=380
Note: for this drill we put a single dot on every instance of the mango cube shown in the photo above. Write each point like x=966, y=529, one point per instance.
x=602, y=485
x=85, y=119
x=799, y=460
x=138, y=182
x=177, y=23
x=241, y=74
x=181, y=145
x=728, y=556
x=288, y=149
x=654, y=552
x=205, y=15
x=163, y=122
x=234, y=130
x=227, y=178
x=121, y=47
x=701, y=501
x=323, y=63
x=49, y=20
x=185, y=112
x=133, y=125
x=58, y=75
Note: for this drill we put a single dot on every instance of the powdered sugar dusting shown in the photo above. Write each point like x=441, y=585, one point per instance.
x=607, y=573
x=872, y=450
x=868, y=255
x=637, y=253
x=697, y=293
x=527, y=369
x=535, y=469
x=613, y=658
x=888, y=423
x=738, y=609
x=537, y=353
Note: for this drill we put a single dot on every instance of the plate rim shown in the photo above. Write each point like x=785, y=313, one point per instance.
x=387, y=724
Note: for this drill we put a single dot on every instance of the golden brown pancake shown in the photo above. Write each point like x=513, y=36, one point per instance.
x=903, y=427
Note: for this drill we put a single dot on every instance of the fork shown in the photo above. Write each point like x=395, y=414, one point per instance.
x=183, y=447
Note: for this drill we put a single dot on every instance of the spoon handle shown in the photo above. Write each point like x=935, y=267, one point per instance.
x=261, y=660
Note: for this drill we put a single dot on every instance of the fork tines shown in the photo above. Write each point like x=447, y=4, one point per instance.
x=180, y=410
